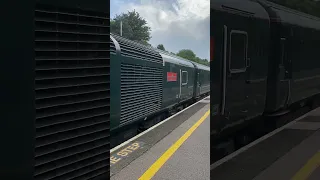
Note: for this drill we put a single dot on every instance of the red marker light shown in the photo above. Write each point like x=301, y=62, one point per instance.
x=171, y=76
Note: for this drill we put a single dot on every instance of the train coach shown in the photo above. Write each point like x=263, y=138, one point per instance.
x=265, y=62
x=147, y=85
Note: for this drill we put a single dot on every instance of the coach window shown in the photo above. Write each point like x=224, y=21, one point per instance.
x=184, y=77
x=238, y=51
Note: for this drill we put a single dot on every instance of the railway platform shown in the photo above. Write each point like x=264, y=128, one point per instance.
x=176, y=148
x=290, y=152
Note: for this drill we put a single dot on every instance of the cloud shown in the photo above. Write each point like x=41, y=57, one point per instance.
x=177, y=24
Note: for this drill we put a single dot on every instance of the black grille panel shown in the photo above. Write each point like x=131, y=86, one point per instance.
x=112, y=47
x=72, y=93
x=141, y=91
x=136, y=50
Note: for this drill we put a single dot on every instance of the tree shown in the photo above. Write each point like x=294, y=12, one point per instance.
x=205, y=62
x=187, y=54
x=134, y=27
x=161, y=47
x=190, y=55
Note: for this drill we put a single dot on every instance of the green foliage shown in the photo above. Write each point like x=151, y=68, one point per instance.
x=161, y=47
x=190, y=55
x=134, y=27
x=187, y=54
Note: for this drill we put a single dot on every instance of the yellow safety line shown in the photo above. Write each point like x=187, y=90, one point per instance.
x=159, y=163
x=308, y=168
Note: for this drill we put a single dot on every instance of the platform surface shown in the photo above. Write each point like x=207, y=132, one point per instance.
x=190, y=161
x=290, y=152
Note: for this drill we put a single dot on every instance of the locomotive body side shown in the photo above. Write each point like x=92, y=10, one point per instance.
x=115, y=83
x=240, y=32
x=136, y=87
x=202, y=80
x=274, y=52
x=147, y=85
x=178, y=80
x=295, y=69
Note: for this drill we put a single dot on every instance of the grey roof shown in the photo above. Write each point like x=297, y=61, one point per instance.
x=294, y=17
x=167, y=57
x=246, y=7
x=200, y=66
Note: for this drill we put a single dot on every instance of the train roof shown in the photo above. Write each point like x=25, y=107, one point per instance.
x=167, y=57
x=118, y=37
x=200, y=66
x=197, y=65
x=133, y=49
x=292, y=16
x=244, y=7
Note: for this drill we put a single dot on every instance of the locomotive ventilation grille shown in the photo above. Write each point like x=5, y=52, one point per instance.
x=136, y=50
x=112, y=47
x=141, y=91
x=72, y=93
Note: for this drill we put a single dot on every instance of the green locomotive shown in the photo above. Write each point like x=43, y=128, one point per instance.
x=147, y=85
x=265, y=63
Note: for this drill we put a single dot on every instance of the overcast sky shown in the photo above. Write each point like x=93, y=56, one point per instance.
x=177, y=24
